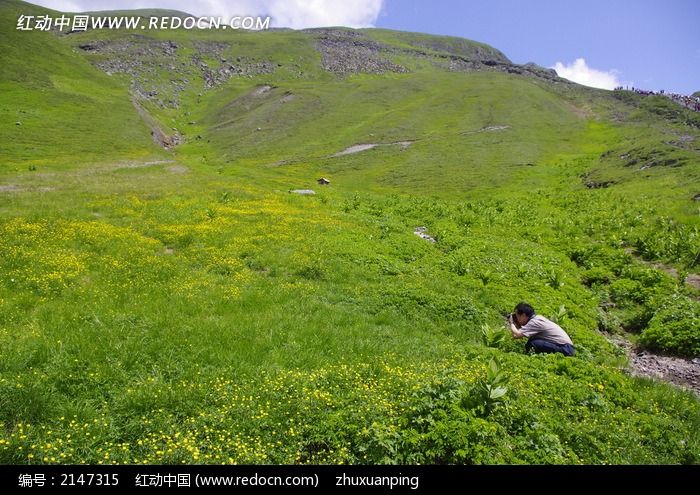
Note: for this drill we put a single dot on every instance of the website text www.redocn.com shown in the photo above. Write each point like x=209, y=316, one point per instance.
x=256, y=480
x=85, y=22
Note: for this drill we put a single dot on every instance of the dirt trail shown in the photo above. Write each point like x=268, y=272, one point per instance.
x=684, y=373
x=692, y=279
x=14, y=188
x=164, y=140
x=46, y=181
x=489, y=128
x=121, y=165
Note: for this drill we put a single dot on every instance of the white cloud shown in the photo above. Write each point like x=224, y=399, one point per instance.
x=60, y=5
x=580, y=73
x=308, y=13
x=296, y=14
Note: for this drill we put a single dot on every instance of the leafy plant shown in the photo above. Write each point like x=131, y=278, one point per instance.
x=492, y=336
x=554, y=279
x=489, y=393
x=486, y=276
x=560, y=316
x=351, y=204
x=460, y=267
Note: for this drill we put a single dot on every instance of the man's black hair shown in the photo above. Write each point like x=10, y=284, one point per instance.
x=525, y=308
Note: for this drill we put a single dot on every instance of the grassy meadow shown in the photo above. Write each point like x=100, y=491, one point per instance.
x=182, y=306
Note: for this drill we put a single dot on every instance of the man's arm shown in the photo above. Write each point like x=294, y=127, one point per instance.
x=517, y=334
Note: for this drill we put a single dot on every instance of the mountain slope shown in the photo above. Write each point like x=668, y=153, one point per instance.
x=57, y=107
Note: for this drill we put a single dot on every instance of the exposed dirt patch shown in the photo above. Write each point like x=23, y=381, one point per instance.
x=258, y=96
x=118, y=166
x=73, y=174
x=159, y=136
x=11, y=188
x=355, y=149
x=684, y=373
x=261, y=90
x=489, y=128
x=692, y=279
x=278, y=163
x=177, y=169
x=364, y=147
x=580, y=112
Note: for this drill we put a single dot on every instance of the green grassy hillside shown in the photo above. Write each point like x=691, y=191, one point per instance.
x=57, y=108
x=181, y=305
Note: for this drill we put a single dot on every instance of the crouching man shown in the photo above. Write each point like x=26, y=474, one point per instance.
x=543, y=335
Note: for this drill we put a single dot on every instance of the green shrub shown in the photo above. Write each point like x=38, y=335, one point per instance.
x=596, y=276
x=675, y=327
x=635, y=319
x=626, y=292
x=608, y=321
x=600, y=256
x=670, y=241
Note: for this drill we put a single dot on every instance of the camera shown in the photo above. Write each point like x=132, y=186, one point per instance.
x=513, y=319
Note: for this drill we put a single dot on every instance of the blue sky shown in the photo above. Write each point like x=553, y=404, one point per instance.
x=651, y=44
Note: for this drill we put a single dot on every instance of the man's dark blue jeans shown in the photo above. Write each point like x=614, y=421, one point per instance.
x=540, y=346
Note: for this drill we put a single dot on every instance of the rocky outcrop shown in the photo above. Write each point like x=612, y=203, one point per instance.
x=227, y=68
x=461, y=48
x=144, y=60
x=348, y=52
